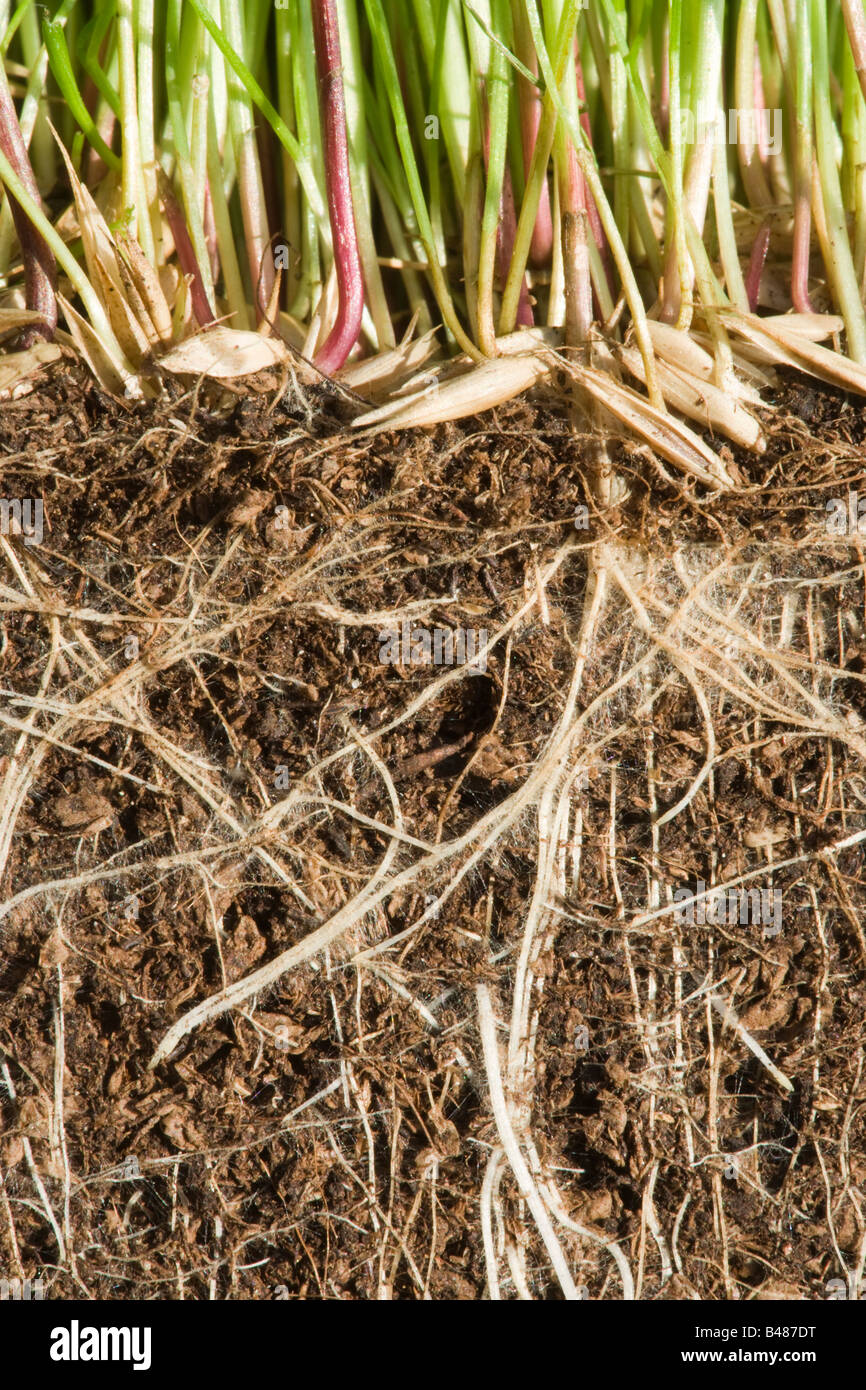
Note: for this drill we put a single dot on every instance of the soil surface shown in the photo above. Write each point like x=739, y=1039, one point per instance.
x=202, y=633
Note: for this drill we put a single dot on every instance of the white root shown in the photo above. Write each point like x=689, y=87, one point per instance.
x=725, y=1012
x=508, y=1139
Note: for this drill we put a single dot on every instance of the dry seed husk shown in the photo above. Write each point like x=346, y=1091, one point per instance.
x=123, y=320
x=815, y=327
x=701, y=401
x=11, y=318
x=682, y=352
x=672, y=439
x=679, y=349
x=225, y=354
x=18, y=366
x=791, y=348
x=380, y=374
x=491, y=384
x=110, y=373
x=147, y=284
x=751, y=363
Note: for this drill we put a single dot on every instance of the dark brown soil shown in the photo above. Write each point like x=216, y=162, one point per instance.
x=182, y=649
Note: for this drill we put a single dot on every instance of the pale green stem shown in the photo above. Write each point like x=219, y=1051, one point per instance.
x=132, y=182
x=43, y=154
x=497, y=101
x=151, y=239
x=232, y=278
x=359, y=173
x=841, y=264
x=246, y=154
